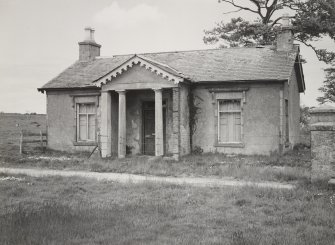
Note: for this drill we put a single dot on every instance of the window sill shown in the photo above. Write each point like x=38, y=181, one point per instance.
x=232, y=145
x=85, y=143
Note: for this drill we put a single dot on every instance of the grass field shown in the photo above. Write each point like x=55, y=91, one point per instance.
x=77, y=211
x=57, y=210
x=294, y=166
x=10, y=124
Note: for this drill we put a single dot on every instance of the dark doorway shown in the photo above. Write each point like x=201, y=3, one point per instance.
x=148, y=134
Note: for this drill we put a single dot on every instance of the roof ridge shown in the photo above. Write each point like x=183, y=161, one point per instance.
x=191, y=50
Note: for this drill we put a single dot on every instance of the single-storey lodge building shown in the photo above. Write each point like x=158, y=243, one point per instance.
x=230, y=100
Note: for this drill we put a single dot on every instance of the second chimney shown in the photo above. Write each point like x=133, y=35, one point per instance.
x=285, y=35
x=88, y=49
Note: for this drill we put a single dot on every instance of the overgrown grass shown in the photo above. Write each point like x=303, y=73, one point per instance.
x=293, y=166
x=10, y=125
x=256, y=168
x=77, y=211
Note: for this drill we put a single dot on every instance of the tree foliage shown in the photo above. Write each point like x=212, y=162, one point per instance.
x=305, y=116
x=328, y=88
x=311, y=20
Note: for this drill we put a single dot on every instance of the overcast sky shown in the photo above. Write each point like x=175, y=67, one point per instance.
x=39, y=39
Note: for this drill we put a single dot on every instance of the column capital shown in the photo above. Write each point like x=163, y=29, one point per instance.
x=121, y=91
x=157, y=90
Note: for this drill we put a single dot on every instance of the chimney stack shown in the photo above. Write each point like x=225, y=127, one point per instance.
x=88, y=49
x=285, y=35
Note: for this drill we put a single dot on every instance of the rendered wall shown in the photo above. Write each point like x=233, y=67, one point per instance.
x=261, y=119
x=61, y=120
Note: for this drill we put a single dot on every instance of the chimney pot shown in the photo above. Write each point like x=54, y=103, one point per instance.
x=88, y=49
x=89, y=34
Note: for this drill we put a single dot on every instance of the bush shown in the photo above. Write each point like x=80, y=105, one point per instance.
x=197, y=150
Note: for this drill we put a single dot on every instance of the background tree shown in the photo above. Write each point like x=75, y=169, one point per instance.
x=305, y=117
x=328, y=88
x=311, y=20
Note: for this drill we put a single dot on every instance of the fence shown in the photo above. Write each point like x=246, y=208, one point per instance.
x=29, y=138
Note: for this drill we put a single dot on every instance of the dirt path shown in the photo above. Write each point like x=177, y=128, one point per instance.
x=132, y=178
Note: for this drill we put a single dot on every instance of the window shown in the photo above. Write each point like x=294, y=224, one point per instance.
x=229, y=121
x=86, y=122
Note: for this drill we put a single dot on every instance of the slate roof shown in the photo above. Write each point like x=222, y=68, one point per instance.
x=211, y=65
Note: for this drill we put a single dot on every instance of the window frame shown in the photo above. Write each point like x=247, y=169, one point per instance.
x=240, y=111
x=78, y=140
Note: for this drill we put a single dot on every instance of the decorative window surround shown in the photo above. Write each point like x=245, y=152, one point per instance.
x=218, y=90
x=227, y=94
x=143, y=62
x=85, y=132
x=230, y=111
x=85, y=98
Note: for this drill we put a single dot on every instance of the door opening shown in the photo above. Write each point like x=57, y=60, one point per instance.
x=148, y=132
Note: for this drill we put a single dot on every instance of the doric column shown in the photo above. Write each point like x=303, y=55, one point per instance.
x=122, y=124
x=106, y=125
x=159, y=140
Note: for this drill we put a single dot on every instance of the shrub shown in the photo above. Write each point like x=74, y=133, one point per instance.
x=197, y=150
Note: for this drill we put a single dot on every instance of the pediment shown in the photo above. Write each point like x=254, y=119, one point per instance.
x=159, y=69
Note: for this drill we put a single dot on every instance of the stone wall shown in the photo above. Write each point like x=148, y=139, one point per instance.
x=323, y=142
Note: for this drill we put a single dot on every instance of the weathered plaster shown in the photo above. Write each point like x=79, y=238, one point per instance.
x=260, y=115
x=61, y=120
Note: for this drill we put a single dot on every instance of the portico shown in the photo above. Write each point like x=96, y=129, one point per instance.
x=136, y=83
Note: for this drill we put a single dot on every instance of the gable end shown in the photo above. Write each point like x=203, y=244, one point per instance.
x=170, y=75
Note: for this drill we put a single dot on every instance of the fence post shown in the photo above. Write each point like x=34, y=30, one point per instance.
x=21, y=141
x=41, y=139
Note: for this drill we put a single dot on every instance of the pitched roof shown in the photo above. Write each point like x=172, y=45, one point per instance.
x=211, y=65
